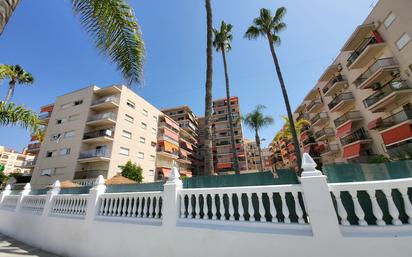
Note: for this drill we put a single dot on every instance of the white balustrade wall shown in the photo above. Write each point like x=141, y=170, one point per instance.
x=311, y=219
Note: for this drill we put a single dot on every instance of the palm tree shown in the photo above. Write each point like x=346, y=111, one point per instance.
x=17, y=75
x=12, y=115
x=269, y=26
x=255, y=121
x=112, y=25
x=287, y=131
x=208, y=95
x=223, y=37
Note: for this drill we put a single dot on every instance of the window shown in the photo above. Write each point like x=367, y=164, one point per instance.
x=389, y=20
x=124, y=151
x=46, y=172
x=126, y=134
x=64, y=151
x=152, y=158
x=154, y=131
x=60, y=121
x=142, y=140
x=56, y=137
x=140, y=155
x=74, y=117
x=68, y=134
x=154, y=118
x=50, y=154
x=129, y=118
x=144, y=112
x=78, y=102
x=130, y=104
x=143, y=125
x=65, y=106
x=402, y=41
x=151, y=172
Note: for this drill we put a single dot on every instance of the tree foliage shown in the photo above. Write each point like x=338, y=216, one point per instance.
x=256, y=120
x=18, y=115
x=16, y=75
x=132, y=171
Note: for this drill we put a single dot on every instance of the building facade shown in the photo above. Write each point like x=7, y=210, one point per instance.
x=361, y=104
x=92, y=131
x=15, y=162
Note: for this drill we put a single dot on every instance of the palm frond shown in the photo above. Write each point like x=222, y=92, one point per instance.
x=223, y=37
x=116, y=33
x=252, y=32
x=279, y=14
x=17, y=115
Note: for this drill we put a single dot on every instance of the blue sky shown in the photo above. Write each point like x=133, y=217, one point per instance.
x=48, y=41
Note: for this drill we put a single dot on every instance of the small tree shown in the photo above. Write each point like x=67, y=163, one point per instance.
x=132, y=171
x=3, y=177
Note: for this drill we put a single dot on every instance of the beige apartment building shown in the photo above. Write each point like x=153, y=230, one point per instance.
x=15, y=162
x=361, y=104
x=253, y=156
x=91, y=131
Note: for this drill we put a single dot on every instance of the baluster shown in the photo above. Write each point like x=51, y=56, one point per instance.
x=147, y=209
x=204, y=206
x=250, y=208
x=285, y=209
x=197, y=209
x=231, y=210
x=272, y=207
x=157, y=213
x=214, y=209
x=406, y=202
x=298, y=208
x=125, y=204
x=111, y=207
x=376, y=209
x=358, y=209
x=107, y=202
x=191, y=208
x=129, y=206
x=341, y=209
x=120, y=207
x=221, y=208
x=262, y=212
x=76, y=208
x=102, y=201
x=393, y=210
x=143, y=203
x=134, y=206
x=182, y=206
x=240, y=210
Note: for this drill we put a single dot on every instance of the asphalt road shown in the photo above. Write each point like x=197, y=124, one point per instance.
x=10, y=247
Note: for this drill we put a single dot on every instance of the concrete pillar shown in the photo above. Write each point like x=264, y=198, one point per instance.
x=26, y=191
x=171, y=201
x=5, y=192
x=49, y=198
x=92, y=203
x=318, y=201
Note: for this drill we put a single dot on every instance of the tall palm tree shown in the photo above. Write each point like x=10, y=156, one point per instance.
x=17, y=75
x=223, y=38
x=208, y=151
x=112, y=25
x=287, y=131
x=255, y=121
x=14, y=115
x=269, y=26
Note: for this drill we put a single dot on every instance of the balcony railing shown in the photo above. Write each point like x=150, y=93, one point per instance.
x=386, y=90
x=302, y=116
x=379, y=64
x=89, y=174
x=314, y=103
x=103, y=116
x=319, y=116
x=357, y=135
x=331, y=148
x=29, y=163
x=43, y=116
x=338, y=99
x=325, y=132
x=396, y=118
x=366, y=42
x=33, y=146
x=330, y=84
x=93, y=153
x=305, y=128
x=98, y=133
x=106, y=100
x=347, y=116
x=308, y=141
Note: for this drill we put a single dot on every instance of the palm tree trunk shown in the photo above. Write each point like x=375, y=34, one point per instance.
x=286, y=99
x=229, y=111
x=257, y=138
x=10, y=92
x=6, y=10
x=208, y=96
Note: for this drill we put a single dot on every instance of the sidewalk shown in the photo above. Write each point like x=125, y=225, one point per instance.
x=10, y=247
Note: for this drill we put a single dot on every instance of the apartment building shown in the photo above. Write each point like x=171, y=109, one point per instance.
x=15, y=162
x=361, y=104
x=91, y=131
x=188, y=134
x=252, y=153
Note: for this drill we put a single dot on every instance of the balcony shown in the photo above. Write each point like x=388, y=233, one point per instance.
x=335, y=84
x=98, y=136
x=32, y=148
x=330, y=72
x=395, y=119
x=102, y=119
x=396, y=128
x=358, y=136
x=386, y=95
x=29, y=163
x=341, y=102
x=330, y=149
x=302, y=116
x=309, y=141
x=94, y=156
x=89, y=174
x=324, y=133
x=349, y=116
x=381, y=69
x=365, y=52
x=105, y=103
x=314, y=105
x=44, y=117
x=319, y=119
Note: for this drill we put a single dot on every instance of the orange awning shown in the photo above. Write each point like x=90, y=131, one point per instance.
x=169, y=147
x=344, y=130
x=375, y=123
x=171, y=123
x=183, y=153
x=306, y=149
x=171, y=134
x=224, y=165
x=351, y=151
x=398, y=134
x=320, y=147
x=166, y=172
x=304, y=136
